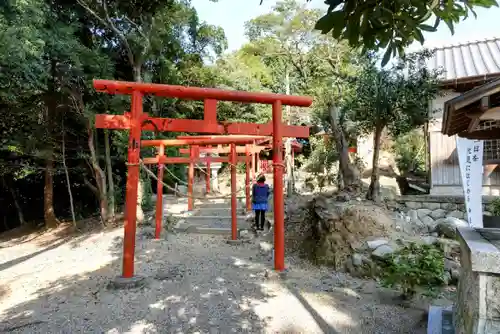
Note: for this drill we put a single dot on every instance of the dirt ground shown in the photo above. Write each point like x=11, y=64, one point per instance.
x=56, y=282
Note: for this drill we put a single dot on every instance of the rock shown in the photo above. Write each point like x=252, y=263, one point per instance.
x=448, y=206
x=413, y=214
x=434, y=234
x=382, y=251
x=429, y=240
x=447, y=278
x=429, y=223
x=374, y=244
x=447, y=227
x=413, y=205
x=487, y=213
x=432, y=205
x=455, y=275
x=357, y=260
x=423, y=213
x=250, y=217
x=451, y=248
x=456, y=214
x=449, y=265
x=438, y=213
x=343, y=197
x=265, y=247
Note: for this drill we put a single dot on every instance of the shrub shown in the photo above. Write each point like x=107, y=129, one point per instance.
x=494, y=207
x=410, y=152
x=413, y=266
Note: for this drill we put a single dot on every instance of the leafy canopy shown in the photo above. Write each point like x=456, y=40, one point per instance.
x=393, y=25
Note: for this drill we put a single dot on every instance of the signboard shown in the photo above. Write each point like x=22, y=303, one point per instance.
x=470, y=157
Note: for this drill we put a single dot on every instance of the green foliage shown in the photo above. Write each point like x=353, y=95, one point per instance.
x=392, y=25
x=410, y=152
x=494, y=207
x=412, y=266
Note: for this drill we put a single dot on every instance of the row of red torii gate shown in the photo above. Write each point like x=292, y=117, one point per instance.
x=246, y=138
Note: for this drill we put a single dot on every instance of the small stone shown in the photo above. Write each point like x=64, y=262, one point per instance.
x=374, y=244
x=265, y=247
x=423, y=213
x=447, y=277
x=434, y=234
x=487, y=213
x=456, y=214
x=447, y=227
x=449, y=265
x=382, y=251
x=357, y=259
x=438, y=213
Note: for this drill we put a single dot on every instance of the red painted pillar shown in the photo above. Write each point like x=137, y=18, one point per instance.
x=134, y=150
x=191, y=177
x=234, y=222
x=279, y=206
x=247, y=177
x=159, y=195
x=254, y=155
x=257, y=162
x=209, y=172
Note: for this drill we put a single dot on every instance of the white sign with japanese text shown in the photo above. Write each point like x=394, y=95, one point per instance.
x=470, y=157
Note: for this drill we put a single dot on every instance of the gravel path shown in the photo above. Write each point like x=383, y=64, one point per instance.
x=207, y=286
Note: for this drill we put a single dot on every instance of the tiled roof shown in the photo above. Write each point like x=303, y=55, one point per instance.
x=472, y=59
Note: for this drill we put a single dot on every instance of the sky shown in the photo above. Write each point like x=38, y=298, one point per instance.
x=231, y=15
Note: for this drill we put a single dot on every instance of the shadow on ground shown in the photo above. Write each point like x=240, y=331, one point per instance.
x=204, y=297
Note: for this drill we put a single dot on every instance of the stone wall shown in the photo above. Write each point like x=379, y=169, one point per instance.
x=477, y=309
x=428, y=210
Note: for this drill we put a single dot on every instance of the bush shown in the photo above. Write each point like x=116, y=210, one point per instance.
x=494, y=207
x=410, y=152
x=413, y=266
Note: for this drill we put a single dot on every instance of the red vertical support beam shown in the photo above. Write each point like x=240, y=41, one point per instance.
x=279, y=206
x=253, y=161
x=159, y=195
x=247, y=177
x=209, y=172
x=134, y=150
x=191, y=177
x=257, y=163
x=234, y=222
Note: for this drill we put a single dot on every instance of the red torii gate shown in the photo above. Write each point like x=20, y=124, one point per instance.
x=161, y=159
x=136, y=120
x=249, y=149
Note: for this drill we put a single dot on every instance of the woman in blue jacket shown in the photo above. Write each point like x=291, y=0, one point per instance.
x=260, y=196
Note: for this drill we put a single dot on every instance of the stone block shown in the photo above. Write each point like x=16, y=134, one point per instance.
x=478, y=298
x=448, y=206
x=431, y=205
x=413, y=205
x=423, y=212
x=413, y=214
x=438, y=213
x=456, y=214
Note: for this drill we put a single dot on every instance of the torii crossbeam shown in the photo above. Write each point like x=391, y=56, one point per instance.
x=137, y=120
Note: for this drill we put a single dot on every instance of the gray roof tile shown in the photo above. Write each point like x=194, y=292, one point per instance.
x=470, y=59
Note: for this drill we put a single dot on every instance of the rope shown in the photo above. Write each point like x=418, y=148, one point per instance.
x=179, y=193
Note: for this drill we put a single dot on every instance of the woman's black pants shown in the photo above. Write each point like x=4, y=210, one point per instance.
x=260, y=219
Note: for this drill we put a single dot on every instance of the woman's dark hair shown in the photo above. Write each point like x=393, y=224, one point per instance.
x=261, y=178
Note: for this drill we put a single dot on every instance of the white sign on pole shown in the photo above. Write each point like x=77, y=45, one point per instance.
x=470, y=158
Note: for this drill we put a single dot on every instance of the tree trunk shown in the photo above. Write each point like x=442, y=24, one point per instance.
x=111, y=184
x=374, y=189
x=13, y=193
x=72, y=207
x=99, y=175
x=137, y=68
x=48, y=194
x=350, y=174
